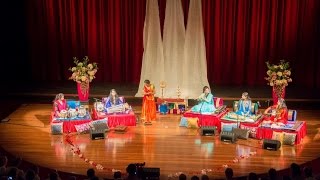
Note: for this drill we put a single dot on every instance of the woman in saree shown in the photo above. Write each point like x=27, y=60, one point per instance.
x=205, y=102
x=278, y=113
x=148, y=112
x=59, y=104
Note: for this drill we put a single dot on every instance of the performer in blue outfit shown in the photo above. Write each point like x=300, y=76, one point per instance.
x=206, y=104
x=244, y=105
x=113, y=99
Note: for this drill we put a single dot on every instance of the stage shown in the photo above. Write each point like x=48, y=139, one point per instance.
x=164, y=144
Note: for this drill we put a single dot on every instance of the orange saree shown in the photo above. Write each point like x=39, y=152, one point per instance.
x=148, y=112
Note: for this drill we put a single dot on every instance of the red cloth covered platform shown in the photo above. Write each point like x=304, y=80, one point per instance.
x=207, y=119
x=266, y=133
x=116, y=119
x=69, y=124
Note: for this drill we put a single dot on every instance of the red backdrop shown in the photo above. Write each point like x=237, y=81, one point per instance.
x=240, y=36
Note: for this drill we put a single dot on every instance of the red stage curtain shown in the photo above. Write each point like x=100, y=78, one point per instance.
x=240, y=36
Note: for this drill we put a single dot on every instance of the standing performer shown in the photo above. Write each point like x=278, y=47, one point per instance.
x=59, y=104
x=148, y=113
x=205, y=104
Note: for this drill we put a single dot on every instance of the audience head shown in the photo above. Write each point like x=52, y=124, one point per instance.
x=30, y=175
x=54, y=176
x=94, y=178
x=117, y=175
x=132, y=169
x=13, y=172
x=195, y=178
x=90, y=173
x=204, y=177
x=229, y=173
x=3, y=161
x=272, y=174
x=307, y=172
x=295, y=170
x=252, y=176
x=72, y=178
x=182, y=177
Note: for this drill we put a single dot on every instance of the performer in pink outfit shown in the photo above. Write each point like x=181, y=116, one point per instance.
x=59, y=104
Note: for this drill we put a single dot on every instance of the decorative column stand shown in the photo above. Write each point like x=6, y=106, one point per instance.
x=162, y=86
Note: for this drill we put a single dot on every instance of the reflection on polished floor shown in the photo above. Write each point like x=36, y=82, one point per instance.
x=164, y=144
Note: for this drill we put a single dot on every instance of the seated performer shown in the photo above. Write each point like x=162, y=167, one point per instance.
x=148, y=112
x=205, y=104
x=59, y=104
x=278, y=113
x=113, y=99
x=244, y=105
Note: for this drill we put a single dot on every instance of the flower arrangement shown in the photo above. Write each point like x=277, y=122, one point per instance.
x=84, y=71
x=278, y=76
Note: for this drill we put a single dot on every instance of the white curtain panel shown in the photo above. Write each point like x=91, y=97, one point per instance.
x=152, y=60
x=173, y=47
x=194, y=66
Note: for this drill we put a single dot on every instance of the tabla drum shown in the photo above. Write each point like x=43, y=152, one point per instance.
x=82, y=111
x=99, y=106
x=63, y=114
x=72, y=113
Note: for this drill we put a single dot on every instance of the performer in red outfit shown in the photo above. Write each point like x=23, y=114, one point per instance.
x=148, y=105
x=59, y=104
x=278, y=113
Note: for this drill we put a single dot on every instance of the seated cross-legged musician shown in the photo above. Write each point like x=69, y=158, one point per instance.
x=205, y=102
x=59, y=105
x=277, y=114
x=244, y=105
x=115, y=104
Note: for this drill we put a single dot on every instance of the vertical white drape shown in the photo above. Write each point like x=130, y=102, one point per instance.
x=195, y=62
x=173, y=46
x=152, y=60
x=181, y=59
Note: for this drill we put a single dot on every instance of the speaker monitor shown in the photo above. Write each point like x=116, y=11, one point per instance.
x=150, y=173
x=227, y=136
x=270, y=144
x=208, y=130
x=97, y=134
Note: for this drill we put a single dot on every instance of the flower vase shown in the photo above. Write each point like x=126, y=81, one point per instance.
x=278, y=92
x=83, y=91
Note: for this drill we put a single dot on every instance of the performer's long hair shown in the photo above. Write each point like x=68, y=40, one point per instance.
x=246, y=95
x=204, y=88
x=113, y=99
x=58, y=97
x=282, y=103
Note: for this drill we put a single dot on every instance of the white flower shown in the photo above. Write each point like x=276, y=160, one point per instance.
x=83, y=78
x=271, y=83
x=90, y=66
x=73, y=69
x=269, y=72
x=80, y=64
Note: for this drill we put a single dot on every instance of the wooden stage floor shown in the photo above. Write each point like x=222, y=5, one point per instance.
x=163, y=144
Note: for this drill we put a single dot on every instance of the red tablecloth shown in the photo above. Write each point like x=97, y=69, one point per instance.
x=207, y=120
x=69, y=125
x=116, y=119
x=266, y=133
x=254, y=124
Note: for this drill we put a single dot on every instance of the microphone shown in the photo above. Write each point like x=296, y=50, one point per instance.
x=258, y=102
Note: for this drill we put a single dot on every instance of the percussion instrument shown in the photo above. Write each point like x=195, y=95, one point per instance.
x=116, y=109
x=82, y=111
x=99, y=106
x=63, y=114
x=72, y=113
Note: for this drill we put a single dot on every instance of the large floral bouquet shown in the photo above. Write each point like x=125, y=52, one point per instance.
x=84, y=71
x=278, y=76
